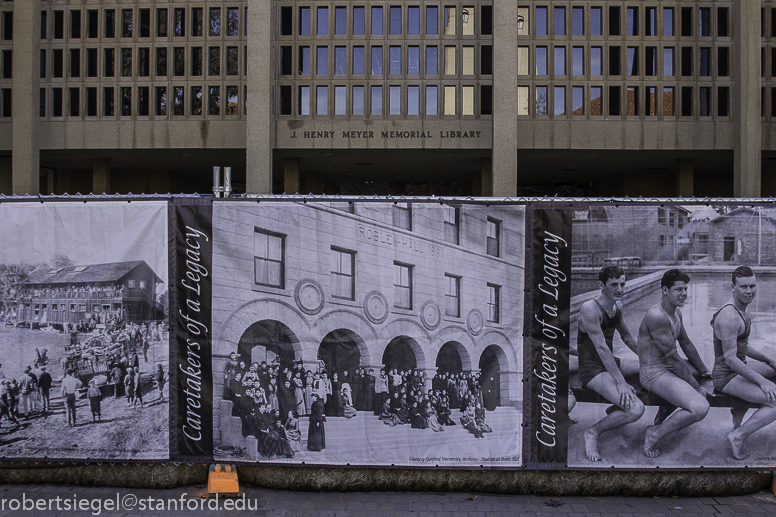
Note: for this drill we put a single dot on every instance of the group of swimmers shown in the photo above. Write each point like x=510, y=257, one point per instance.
x=664, y=372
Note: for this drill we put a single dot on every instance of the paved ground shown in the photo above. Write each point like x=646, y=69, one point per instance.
x=332, y=504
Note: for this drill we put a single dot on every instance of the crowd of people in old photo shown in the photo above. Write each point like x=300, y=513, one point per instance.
x=270, y=399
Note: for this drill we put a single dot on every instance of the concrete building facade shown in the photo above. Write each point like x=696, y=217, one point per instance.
x=458, y=97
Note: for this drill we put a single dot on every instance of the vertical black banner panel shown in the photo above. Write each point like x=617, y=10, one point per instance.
x=191, y=388
x=550, y=285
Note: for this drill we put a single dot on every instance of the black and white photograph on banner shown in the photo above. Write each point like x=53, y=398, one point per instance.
x=368, y=333
x=672, y=353
x=84, y=347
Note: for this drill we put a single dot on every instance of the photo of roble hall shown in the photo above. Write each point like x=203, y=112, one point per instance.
x=408, y=97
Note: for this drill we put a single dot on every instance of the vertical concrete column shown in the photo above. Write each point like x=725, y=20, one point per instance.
x=26, y=97
x=101, y=176
x=260, y=120
x=684, y=178
x=504, y=183
x=746, y=103
x=291, y=175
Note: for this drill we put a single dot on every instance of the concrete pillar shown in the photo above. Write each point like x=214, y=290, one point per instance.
x=684, y=178
x=746, y=103
x=313, y=182
x=260, y=129
x=26, y=97
x=101, y=176
x=291, y=175
x=5, y=176
x=504, y=183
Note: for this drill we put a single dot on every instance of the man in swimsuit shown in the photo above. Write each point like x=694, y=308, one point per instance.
x=663, y=371
x=732, y=374
x=599, y=370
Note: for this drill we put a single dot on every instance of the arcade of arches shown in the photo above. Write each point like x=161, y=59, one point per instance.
x=344, y=350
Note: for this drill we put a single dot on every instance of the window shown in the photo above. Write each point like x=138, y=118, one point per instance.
x=394, y=54
x=377, y=21
x=596, y=61
x=395, y=22
x=668, y=22
x=7, y=64
x=614, y=60
x=59, y=24
x=59, y=59
x=577, y=100
x=402, y=286
x=402, y=215
x=614, y=21
x=650, y=61
x=560, y=21
x=126, y=23
x=449, y=100
x=468, y=15
x=142, y=101
x=687, y=101
x=42, y=64
x=687, y=61
x=285, y=99
x=394, y=100
x=723, y=101
x=343, y=278
x=633, y=101
x=322, y=67
x=494, y=292
x=614, y=101
x=633, y=61
x=161, y=62
x=358, y=100
x=452, y=296
x=486, y=25
x=541, y=60
x=452, y=223
x=541, y=100
x=541, y=21
x=432, y=101
x=75, y=62
x=304, y=60
x=578, y=21
x=304, y=21
x=75, y=24
x=304, y=100
x=126, y=102
x=450, y=21
x=75, y=101
x=269, y=255
x=413, y=100
x=340, y=100
x=322, y=27
x=91, y=62
x=107, y=102
x=322, y=100
x=413, y=60
x=232, y=21
x=650, y=21
x=179, y=29
x=668, y=101
x=560, y=61
x=142, y=62
x=215, y=21
x=432, y=20
x=705, y=101
x=131, y=284
x=377, y=60
x=196, y=100
x=358, y=21
x=722, y=22
x=704, y=22
x=233, y=58
x=178, y=100
x=705, y=62
x=214, y=58
x=633, y=21
x=161, y=101
x=197, y=21
x=578, y=61
x=723, y=61
x=596, y=21
x=413, y=21
x=42, y=102
x=161, y=23
x=686, y=21
x=668, y=62
x=358, y=60
x=432, y=66
x=126, y=62
x=560, y=101
x=596, y=100
x=340, y=21
x=493, y=237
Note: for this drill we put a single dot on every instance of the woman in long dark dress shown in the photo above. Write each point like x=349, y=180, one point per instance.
x=316, y=434
x=418, y=417
x=336, y=395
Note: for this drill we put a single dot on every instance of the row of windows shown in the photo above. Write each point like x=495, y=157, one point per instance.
x=379, y=100
x=127, y=101
x=647, y=61
x=630, y=21
x=129, y=23
x=413, y=20
x=668, y=101
x=269, y=271
x=145, y=62
x=400, y=60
